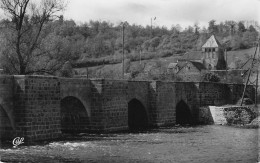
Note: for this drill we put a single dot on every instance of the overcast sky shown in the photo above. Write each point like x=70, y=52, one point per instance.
x=167, y=12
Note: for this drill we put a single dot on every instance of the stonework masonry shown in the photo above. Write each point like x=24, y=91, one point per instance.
x=37, y=107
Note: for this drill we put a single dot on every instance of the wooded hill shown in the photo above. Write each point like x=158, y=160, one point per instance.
x=98, y=43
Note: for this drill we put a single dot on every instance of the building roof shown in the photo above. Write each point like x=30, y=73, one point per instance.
x=198, y=65
x=178, y=64
x=192, y=55
x=212, y=42
x=181, y=64
x=172, y=65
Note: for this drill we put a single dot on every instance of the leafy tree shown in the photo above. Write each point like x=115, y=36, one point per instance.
x=236, y=42
x=249, y=38
x=212, y=26
x=25, y=33
x=252, y=28
x=241, y=27
x=196, y=28
x=232, y=26
x=154, y=42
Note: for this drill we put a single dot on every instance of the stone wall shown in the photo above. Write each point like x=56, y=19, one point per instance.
x=236, y=91
x=165, y=104
x=213, y=94
x=37, y=107
x=114, y=105
x=7, y=125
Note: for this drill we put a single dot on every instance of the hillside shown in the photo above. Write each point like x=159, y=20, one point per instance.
x=240, y=56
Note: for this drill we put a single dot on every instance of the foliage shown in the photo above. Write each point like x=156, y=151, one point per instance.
x=26, y=34
x=210, y=77
x=66, y=70
x=239, y=115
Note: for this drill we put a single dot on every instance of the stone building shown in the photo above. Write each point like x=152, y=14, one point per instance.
x=193, y=63
x=213, y=55
x=191, y=71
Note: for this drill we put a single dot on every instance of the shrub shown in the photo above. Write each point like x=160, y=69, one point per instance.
x=210, y=77
x=239, y=115
x=246, y=101
x=66, y=70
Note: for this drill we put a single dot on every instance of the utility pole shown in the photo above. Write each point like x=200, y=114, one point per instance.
x=123, y=48
x=257, y=75
x=226, y=64
x=140, y=53
x=256, y=86
x=152, y=26
x=123, y=62
x=250, y=70
x=87, y=72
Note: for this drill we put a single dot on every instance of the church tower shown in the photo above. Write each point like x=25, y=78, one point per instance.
x=213, y=55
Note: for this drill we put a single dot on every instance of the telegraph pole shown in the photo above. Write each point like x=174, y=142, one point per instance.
x=256, y=86
x=250, y=70
x=257, y=75
x=123, y=48
x=123, y=33
x=226, y=64
x=152, y=26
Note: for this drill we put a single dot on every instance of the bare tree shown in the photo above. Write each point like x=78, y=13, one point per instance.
x=24, y=34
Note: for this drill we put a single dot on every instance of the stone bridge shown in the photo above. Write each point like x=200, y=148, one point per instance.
x=41, y=108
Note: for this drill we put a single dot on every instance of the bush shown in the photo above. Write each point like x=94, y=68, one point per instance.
x=246, y=101
x=66, y=70
x=210, y=77
x=239, y=115
x=136, y=70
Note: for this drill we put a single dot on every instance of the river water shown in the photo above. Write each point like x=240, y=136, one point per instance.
x=201, y=144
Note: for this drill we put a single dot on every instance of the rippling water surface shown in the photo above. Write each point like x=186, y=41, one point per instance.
x=178, y=144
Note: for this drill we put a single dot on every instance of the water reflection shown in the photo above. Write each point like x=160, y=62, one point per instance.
x=177, y=144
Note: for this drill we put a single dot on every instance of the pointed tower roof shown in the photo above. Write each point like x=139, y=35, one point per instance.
x=212, y=42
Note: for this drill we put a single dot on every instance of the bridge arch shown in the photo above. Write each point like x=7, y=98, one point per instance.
x=137, y=115
x=86, y=103
x=183, y=113
x=75, y=117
